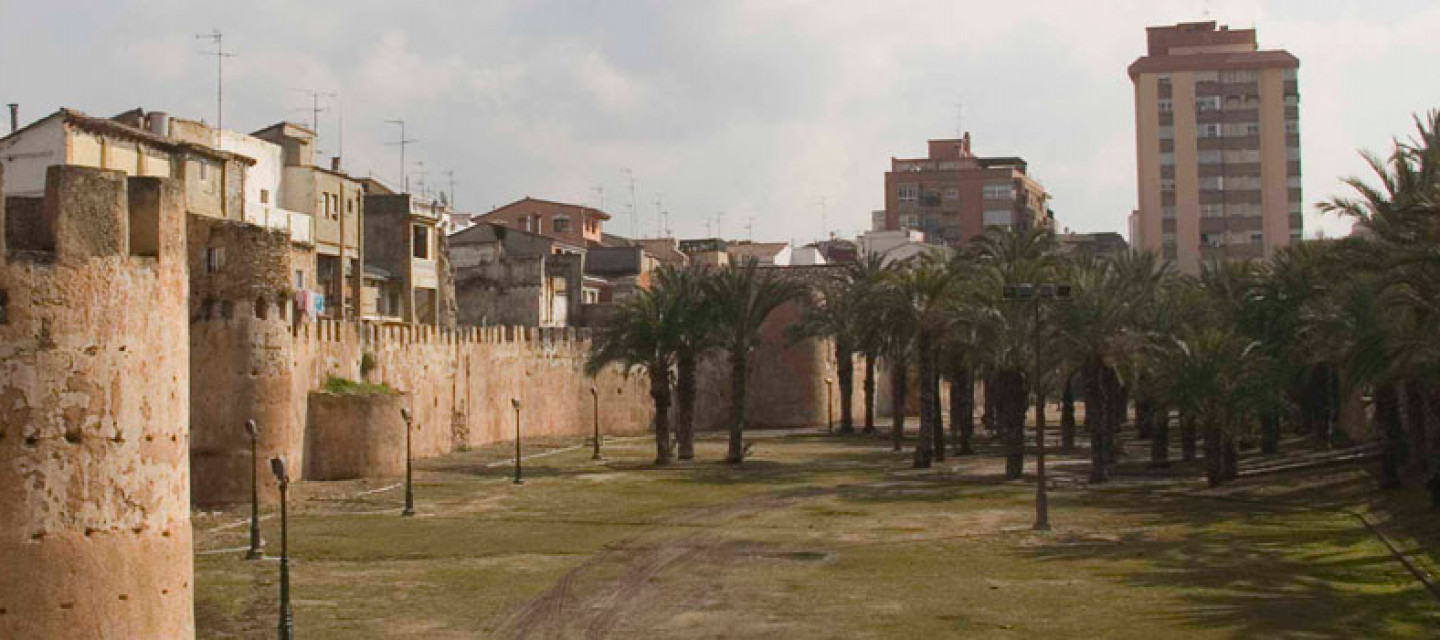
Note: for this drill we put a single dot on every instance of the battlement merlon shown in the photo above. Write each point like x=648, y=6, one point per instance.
x=90, y=213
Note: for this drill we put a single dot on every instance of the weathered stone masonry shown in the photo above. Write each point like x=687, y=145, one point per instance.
x=94, y=405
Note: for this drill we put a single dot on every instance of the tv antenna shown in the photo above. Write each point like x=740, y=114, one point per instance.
x=750, y=228
x=659, y=215
x=450, y=178
x=402, y=143
x=216, y=38
x=599, y=190
x=634, y=211
x=315, y=109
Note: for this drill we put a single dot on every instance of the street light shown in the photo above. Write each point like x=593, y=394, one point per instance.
x=287, y=617
x=255, y=542
x=1035, y=294
x=515, y=402
x=409, y=486
x=595, y=395
x=829, y=408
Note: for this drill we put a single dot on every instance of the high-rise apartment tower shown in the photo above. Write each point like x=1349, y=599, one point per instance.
x=1218, y=145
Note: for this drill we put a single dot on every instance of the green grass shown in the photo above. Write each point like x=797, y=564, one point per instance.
x=814, y=538
x=346, y=386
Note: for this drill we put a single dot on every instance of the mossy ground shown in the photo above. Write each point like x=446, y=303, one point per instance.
x=821, y=537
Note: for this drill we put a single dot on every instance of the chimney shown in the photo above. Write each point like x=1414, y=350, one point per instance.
x=334, y=163
x=14, y=117
x=158, y=123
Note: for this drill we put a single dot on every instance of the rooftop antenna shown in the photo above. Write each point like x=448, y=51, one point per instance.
x=220, y=54
x=720, y=224
x=315, y=109
x=634, y=211
x=420, y=169
x=450, y=177
x=669, y=233
x=750, y=228
x=402, y=143
x=824, y=221
x=659, y=216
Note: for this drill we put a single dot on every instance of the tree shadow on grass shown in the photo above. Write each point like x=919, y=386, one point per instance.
x=1262, y=572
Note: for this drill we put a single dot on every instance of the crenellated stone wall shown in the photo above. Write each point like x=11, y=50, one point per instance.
x=94, y=413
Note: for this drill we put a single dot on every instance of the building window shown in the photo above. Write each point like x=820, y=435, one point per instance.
x=1167, y=184
x=1207, y=76
x=561, y=224
x=909, y=191
x=1243, y=75
x=999, y=217
x=1167, y=158
x=1208, y=156
x=1167, y=212
x=420, y=237
x=214, y=259
x=1207, y=103
x=1292, y=182
x=1167, y=132
x=204, y=171
x=1212, y=182
x=299, y=279
x=1212, y=210
x=264, y=196
x=999, y=191
x=1208, y=130
x=952, y=194
x=1166, y=105
x=1292, y=126
x=1257, y=238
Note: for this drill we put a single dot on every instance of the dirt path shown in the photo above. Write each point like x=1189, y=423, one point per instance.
x=620, y=582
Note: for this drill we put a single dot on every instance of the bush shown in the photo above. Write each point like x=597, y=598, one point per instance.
x=346, y=386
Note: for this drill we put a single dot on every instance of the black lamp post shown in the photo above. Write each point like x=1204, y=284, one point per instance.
x=515, y=402
x=255, y=542
x=409, y=486
x=287, y=617
x=595, y=396
x=829, y=406
x=1035, y=294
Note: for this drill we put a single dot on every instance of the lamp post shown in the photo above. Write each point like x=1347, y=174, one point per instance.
x=829, y=406
x=515, y=402
x=595, y=396
x=409, y=486
x=1034, y=294
x=255, y=542
x=287, y=617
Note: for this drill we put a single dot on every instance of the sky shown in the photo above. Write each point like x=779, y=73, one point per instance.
x=767, y=118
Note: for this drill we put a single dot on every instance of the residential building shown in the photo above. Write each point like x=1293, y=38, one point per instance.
x=899, y=245
x=807, y=256
x=770, y=254
x=1100, y=244
x=1218, y=145
x=952, y=195
x=706, y=251
x=569, y=223
x=335, y=202
x=666, y=251
x=505, y=276
x=619, y=270
x=407, y=243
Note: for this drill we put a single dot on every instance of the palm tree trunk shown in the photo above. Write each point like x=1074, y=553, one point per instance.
x=924, y=447
x=739, y=374
x=845, y=372
x=660, y=394
x=1160, y=437
x=1067, y=416
x=1229, y=457
x=1188, y=436
x=1143, y=416
x=938, y=432
x=1414, y=420
x=1119, y=404
x=1213, y=470
x=1387, y=418
x=898, y=388
x=962, y=409
x=685, y=412
x=1011, y=403
x=1097, y=412
x=870, y=359
x=1270, y=432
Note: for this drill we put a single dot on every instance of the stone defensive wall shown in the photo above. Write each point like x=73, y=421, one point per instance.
x=94, y=410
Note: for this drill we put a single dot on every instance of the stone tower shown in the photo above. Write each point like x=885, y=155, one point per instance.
x=241, y=357
x=94, y=410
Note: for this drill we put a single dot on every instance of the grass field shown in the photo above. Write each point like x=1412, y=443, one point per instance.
x=822, y=537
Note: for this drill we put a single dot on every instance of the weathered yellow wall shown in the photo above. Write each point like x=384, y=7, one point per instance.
x=94, y=435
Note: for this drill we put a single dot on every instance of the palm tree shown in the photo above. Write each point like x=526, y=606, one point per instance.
x=866, y=277
x=643, y=333
x=918, y=299
x=836, y=311
x=743, y=296
x=1207, y=373
x=695, y=315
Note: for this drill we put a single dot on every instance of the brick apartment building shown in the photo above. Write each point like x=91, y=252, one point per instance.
x=1218, y=145
x=953, y=195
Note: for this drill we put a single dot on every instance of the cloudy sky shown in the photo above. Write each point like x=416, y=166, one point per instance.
x=754, y=109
